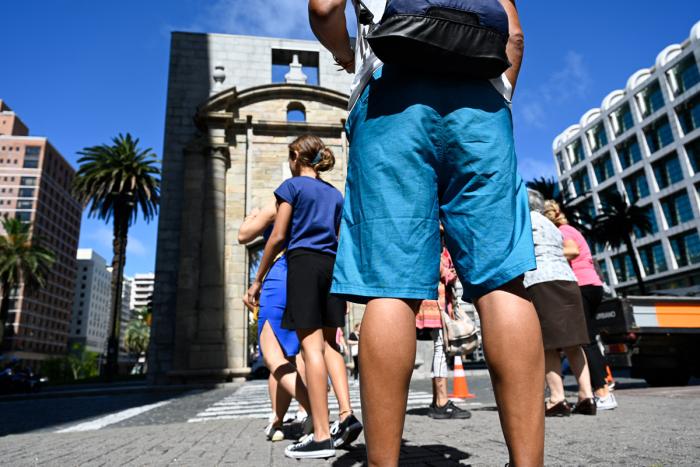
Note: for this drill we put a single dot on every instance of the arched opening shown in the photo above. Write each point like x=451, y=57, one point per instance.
x=296, y=112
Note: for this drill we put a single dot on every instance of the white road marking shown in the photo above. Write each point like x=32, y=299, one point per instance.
x=113, y=418
x=252, y=401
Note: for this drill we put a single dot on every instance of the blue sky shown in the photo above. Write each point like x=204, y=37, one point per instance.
x=81, y=71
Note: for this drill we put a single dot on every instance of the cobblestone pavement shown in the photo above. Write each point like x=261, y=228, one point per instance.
x=652, y=427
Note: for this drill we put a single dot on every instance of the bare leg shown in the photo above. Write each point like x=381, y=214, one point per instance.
x=272, y=390
x=387, y=355
x=552, y=375
x=579, y=365
x=440, y=392
x=284, y=372
x=338, y=373
x=313, y=345
x=282, y=401
x=513, y=347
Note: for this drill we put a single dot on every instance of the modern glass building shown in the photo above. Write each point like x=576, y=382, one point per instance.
x=644, y=141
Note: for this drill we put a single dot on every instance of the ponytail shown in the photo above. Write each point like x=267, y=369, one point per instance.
x=313, y=153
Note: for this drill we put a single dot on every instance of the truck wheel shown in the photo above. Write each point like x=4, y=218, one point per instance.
x=667, y=377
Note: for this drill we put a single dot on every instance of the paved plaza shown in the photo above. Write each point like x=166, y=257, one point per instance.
x=652, y=427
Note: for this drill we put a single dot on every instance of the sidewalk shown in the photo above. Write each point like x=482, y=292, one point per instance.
x=651, y=427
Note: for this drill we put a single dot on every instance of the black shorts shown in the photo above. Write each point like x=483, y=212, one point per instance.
x=309, y=302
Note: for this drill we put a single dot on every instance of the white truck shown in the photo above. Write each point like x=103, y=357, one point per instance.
x=658, y=337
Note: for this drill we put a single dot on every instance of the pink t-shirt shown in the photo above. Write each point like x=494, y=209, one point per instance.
x=583, y=264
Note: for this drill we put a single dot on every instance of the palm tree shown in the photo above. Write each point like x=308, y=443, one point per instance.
x=577, y=217
x=23, y=260
x=616, y=224
x=138, y=332
x=118, y=181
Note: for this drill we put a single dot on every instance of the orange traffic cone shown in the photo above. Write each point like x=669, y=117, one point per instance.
x=460, y=387
x=609, y=378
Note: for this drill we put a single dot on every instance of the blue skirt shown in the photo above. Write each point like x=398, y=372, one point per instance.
x=273, y=301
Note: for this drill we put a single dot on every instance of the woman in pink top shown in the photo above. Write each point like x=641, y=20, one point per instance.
x=579, y=255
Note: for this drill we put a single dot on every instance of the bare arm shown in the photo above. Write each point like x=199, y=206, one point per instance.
x=256, y=222
x=571, y=250
x=516, y=41
x=327, y=19
x=273, y=247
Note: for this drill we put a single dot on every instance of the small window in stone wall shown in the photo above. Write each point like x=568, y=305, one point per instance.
x=283, y=58
x=296, y=112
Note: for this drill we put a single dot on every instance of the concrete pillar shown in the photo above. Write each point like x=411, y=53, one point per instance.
x=209, y=350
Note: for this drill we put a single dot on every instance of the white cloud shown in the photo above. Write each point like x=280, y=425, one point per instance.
x=277, y=18
x=531, y=168
x=100, y=238
x=571, y=81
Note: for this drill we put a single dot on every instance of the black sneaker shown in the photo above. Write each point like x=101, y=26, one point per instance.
x=308, y=448
x=345, y=432
x=448, y=410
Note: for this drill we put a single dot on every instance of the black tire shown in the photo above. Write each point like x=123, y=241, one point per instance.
x=667, y=377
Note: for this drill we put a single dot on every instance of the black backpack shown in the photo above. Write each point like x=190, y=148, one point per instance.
x=468, y=37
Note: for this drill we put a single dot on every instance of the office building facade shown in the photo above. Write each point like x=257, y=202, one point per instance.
x=91, y=303
x=35, y=182
x=644, y=142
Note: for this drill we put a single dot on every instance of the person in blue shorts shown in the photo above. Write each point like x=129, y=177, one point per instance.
x=426, y=148
x=307, y=222
x=279, y=347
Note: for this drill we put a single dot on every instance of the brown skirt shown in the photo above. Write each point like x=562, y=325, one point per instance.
x=560, y=309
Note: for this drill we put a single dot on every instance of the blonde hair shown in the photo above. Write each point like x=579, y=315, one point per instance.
x=313, y=153
x=552, y=211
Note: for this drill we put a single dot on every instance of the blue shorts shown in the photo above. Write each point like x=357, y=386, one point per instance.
x=273, y=301
x=425, y=149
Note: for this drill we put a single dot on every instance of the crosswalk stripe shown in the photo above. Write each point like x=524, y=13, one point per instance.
x=252, y=401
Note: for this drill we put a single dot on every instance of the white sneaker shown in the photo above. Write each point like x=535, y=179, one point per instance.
x=273, y=434
x=606, y=403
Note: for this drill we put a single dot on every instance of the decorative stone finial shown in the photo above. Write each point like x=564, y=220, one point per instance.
x=219, y=77
x=295, y=75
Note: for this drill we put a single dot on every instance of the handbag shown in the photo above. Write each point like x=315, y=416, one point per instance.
x=461, y=337
x=468, y=37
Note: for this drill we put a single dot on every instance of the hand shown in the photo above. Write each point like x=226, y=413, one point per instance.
x=346, y=64
x=251, y=299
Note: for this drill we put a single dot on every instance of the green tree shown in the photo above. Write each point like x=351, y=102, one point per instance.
x=616, y=225
x=23, y=261
x=118, y=181
x=138, y=332
x=577, y=218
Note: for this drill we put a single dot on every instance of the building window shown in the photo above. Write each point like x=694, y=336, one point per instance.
x=31, y=157
x=27, y=181
x=597, y=137
x=621, y=119
x=587, y=209
x=576, y=154
x=25, y=204
x=296, y=112
x=636, y=186
x=604, y=270
x=693, y=150
x=667, y=171
x=677, y=208
x=649, y=210
x=603, y=168
x=628, y=152
x=23, y=216
x=581, y=182
x=26, y=193
x=689, y=114
x=607, y=192
x=684, y=76
x=624, y=271
x=650, y=99
x=282, y=58
x=658, y=134
x=653, y=259
x=560, y=162
x=686, y=248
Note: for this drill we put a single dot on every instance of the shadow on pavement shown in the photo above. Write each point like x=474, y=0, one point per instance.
x=428, y=454
x=50, y=414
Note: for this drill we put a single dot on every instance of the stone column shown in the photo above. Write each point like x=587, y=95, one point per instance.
x=209, y=350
